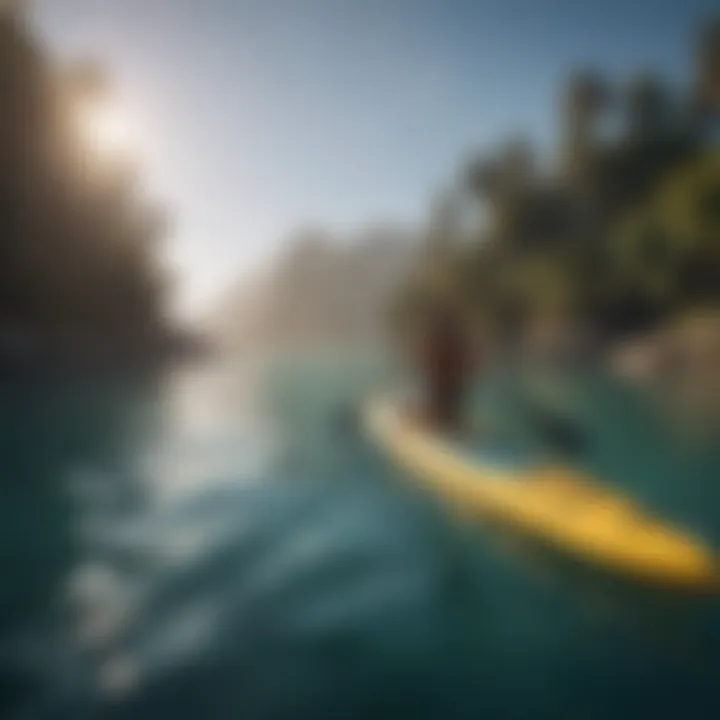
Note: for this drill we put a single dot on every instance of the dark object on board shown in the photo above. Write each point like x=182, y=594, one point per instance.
x=445, y=362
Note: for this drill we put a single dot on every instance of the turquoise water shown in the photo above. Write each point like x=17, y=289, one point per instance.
x=221, y=542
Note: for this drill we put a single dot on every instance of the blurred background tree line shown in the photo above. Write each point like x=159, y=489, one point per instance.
x=618, y=236
x=78, y=240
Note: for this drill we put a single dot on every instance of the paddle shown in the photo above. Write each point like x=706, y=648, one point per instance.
x=562, y=432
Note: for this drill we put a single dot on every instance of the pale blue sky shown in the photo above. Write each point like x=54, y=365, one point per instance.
x=259, y=116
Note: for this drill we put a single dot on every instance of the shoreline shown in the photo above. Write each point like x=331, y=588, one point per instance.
x=36, y=355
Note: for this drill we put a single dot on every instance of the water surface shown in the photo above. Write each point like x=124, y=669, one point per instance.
x=221, y=542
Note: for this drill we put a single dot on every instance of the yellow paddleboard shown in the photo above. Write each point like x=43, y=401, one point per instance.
x=553, y=504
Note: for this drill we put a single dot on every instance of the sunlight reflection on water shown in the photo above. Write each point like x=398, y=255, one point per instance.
x=203, y=433
x=212, y=429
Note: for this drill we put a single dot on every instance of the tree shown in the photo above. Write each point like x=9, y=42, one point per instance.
x=647, y=106
x=624, y=236
x=665, y=253
x=78, y=241
x=707, y=67
x=586, y=96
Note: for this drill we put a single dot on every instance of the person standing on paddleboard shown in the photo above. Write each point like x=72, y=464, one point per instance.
x=446, y=361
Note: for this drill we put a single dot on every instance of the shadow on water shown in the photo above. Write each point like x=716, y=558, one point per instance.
x=185, y=554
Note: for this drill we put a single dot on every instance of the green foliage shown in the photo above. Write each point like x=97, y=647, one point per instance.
x=668, y=249
x=623, y=235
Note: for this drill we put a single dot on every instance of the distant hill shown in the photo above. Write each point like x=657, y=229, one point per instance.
x=321, y=289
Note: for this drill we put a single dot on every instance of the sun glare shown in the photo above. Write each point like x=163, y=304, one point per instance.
x=110, y=129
